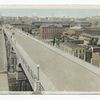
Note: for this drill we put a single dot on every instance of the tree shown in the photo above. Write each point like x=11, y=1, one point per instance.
x=93, y=41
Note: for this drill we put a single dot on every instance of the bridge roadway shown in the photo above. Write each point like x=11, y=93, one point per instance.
x=62, y=71
x=3, y=65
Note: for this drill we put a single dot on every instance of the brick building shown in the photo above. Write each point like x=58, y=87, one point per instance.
x=50, y=31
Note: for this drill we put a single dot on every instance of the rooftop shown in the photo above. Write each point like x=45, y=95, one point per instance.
x=76, y=27
x=51, y=25
x=91, y=36
x=93, y=28
x=73, y=45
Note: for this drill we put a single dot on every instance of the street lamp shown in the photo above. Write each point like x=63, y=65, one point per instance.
x=38, y=66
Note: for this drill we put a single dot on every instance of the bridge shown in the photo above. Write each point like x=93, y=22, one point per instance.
x=49, y=68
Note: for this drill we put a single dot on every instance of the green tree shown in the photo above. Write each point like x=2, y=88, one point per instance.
x=93, y=41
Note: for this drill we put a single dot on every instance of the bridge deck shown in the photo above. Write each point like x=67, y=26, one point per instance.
x=64, y=74
x=3, y=69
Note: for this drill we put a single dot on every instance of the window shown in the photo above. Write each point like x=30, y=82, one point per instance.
x=76, y=51
x=80, y=50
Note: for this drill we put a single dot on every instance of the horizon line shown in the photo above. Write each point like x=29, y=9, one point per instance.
x=80, y=6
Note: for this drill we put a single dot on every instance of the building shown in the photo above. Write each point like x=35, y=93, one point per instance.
x=96, y=59
x=93, y=55
x=90, y=39
x=76, y=41
x=65, y=23
x=76, y=30
x=96, y=56
x=23, y=26
x=50, y=31
x=83, y=23
x=92, y=30
x=77, y=50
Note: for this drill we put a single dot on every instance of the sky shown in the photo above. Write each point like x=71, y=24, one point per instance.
x=49, y=1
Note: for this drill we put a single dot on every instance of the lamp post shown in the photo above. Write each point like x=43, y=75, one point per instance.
x=38, y=72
